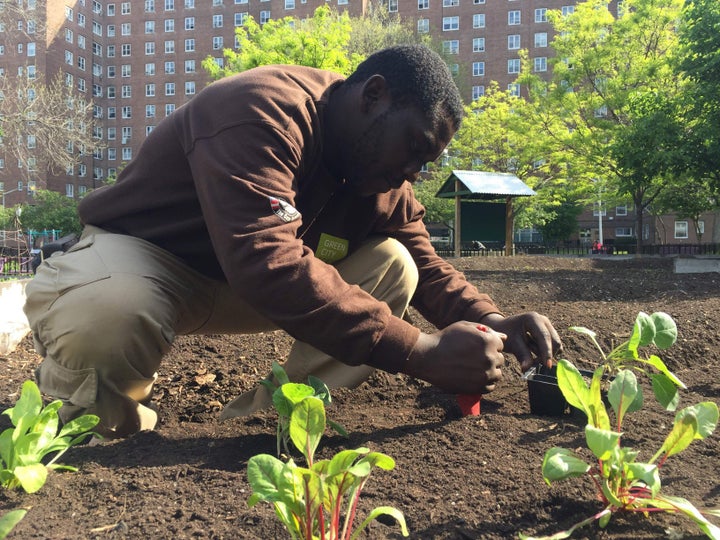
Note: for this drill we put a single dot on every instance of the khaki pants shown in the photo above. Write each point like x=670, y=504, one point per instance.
x=104, y=314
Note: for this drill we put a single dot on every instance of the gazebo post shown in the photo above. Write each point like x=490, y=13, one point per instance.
x=458, y=232
x=509, y=227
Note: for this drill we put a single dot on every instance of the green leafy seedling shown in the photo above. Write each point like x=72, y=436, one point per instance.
x=34, y=436
x=658, y=330
x=285, y=396
x=622, y=481
x=318, y=501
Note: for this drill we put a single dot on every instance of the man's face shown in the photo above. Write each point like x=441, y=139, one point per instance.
x=393, y=149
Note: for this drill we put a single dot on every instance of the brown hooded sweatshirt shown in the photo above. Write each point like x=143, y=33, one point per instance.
x=234, y=184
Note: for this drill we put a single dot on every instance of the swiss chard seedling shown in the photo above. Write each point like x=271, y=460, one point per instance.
x=35, y=436
x=318, y=501
x=623, y=482
x=285, y=396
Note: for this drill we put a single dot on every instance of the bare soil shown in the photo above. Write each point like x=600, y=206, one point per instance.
x=456, y=477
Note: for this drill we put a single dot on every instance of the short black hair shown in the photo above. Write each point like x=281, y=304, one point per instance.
x=415, y=75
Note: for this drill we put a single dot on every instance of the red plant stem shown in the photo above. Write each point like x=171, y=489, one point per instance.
x=353, y=510
x=308, y=515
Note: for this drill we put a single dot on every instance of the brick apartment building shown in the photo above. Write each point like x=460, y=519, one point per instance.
x=138, y=61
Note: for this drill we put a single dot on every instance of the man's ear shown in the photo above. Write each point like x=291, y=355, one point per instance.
x=374, y=90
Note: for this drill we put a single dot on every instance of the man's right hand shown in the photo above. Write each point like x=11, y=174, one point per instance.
x=460, y=359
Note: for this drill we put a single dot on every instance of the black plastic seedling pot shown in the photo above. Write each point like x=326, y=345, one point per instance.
x=544, y=394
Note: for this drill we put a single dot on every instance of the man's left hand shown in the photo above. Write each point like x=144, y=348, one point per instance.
x=531, y=337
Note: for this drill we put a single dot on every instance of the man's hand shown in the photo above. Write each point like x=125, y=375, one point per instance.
x=460, y=359
x=531, y=337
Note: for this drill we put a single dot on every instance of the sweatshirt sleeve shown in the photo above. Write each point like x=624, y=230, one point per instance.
x=242, y=174
x=444, y=295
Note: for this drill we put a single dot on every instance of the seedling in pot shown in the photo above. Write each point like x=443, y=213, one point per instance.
x=35, y=436
x=318, y=501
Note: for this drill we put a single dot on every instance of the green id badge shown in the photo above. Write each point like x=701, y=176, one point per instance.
x=331, y=248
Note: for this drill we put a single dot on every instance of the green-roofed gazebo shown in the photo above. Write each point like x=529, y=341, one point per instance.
x=484, y=186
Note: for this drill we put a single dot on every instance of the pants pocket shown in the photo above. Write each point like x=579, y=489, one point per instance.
x=77, y=387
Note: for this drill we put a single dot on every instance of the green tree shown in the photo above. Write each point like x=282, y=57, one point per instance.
x=52, y=211
x=699, y=61
x=503, y=133
x=320, y=42
x=378, y=29
x=612, y=80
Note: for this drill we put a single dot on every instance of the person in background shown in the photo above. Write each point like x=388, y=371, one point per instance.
x=278, y=198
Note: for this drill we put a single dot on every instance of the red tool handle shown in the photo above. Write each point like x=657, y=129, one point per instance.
x=470, y=403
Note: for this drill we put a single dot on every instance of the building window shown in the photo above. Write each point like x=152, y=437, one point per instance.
x=169, y=47
x=217, y=21
x=451, y=3
x=169, y=68
x=479, y=44
x=126, y=91
x=125, y=29
x=513, y=65
x=567, y=10
x=217, y=43
x=125, y=8
x=478, y=69
x=423, y=26
x=150, y=48
x=514, y=42
x=69, y=188
x=126, y=49
x=126, y=134
x=150, y=90
x=150, y=69
x=111, y=30
x=150, y=111
x=189, y=66
x=125, y=70
x=540, y=64
x=149, y=6
x=621, y=210
x=392, y=6
x=169, y=5
x=451, y=23
x=127, y=112
x=112, y=133
x=541, y=39
x=110, y=10
x=264, y=16
x=681, y=229
x=127, y=154
x=169, y=109
x=169, y=89
x=189, y=88
x=289, y=4
x=478, y=91
x=514, y=89
x=169, y=25
x=110, y=51
x=149, y=27
x=423, y=4
x=190, y=45
x=514, y=17
x=541, y=15
x=239, y=18
x=189, y=23
x=479, y=20
x=451, y=46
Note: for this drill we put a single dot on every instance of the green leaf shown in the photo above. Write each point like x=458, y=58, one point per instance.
x=583, y=330
x=267, y=478
x=647, y=473
x=338, y=428
x=380, y=511
x=28, y=405
x=7, y=449
x=682, y=434
x=573, y=386
x=658, y=364
x=643, y=332
x=9, y=520
x=623, y=394
x=307, y=424
x=279, y=374
x=80, y=425
x=601, y=441
x=560, y=464
x=31, y=477
x=321, y=389
x=665, y=330
x=687, y=508
x=706, y=415
x=665, y=391
x=380, y=460
x=343, y=460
